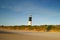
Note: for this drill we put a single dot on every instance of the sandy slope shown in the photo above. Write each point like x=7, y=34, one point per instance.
x=21, y=35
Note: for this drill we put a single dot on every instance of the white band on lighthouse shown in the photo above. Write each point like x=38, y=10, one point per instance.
x=29, y=22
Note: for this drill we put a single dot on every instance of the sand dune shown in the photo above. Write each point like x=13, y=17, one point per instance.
x=21, y=35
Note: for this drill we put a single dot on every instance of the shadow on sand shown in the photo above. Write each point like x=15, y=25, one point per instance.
x=5, y=32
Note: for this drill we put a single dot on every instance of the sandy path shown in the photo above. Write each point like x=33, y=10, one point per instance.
x=20, y=35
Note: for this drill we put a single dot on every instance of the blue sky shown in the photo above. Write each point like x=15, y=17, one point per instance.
x=16, y=12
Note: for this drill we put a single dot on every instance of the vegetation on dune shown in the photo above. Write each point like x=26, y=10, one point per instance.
x=44, y=28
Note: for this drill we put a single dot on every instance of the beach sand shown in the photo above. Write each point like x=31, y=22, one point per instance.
x=21, y=35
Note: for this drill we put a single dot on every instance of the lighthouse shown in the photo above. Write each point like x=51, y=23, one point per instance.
x=30, y=20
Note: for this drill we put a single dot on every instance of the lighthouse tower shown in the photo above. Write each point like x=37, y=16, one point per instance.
x=30, y=20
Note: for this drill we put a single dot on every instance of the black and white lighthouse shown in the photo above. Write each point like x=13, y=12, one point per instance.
x=30, y=20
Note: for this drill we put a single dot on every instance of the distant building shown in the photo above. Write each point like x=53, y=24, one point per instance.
x=30, y=20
